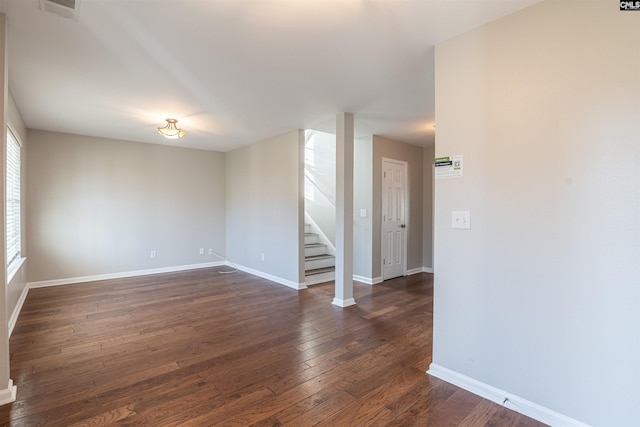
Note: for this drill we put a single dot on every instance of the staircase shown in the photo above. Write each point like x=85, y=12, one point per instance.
x=319, y=265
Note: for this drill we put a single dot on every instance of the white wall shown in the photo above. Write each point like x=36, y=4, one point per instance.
x=541, y=298
x=363, y=199
x=265, y=207
x=99, y=206
x=320, y=165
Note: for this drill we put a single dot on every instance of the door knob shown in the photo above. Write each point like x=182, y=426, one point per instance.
x=402, y=226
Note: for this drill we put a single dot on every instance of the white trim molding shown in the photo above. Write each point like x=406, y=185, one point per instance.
x=343, y=302
x=427, y=269
x=8, y=395
x=362, y=279
x=17, y=309
x=368, y=280
x=506, y=399
x=14, y=267
x=378, y=280
x=73, y=280
x=279, y=280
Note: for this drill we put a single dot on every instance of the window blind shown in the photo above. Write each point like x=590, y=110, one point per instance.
x=13, y=198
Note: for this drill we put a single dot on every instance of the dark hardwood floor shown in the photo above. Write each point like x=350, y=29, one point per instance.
x=201, y=348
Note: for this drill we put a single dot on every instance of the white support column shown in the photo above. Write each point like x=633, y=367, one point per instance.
x=344, y=211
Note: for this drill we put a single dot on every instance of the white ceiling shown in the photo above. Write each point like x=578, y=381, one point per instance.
x=234, y=72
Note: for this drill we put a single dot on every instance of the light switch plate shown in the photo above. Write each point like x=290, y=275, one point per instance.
x=363, y=212
x=461, y=219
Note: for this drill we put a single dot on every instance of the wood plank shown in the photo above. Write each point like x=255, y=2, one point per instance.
x=107, y=418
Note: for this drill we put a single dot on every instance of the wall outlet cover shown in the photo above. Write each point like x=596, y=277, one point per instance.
x=461, y=219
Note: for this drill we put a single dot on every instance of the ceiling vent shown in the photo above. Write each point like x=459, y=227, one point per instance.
x=64, y=8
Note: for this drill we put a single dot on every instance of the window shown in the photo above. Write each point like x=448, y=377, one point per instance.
x=13, y=198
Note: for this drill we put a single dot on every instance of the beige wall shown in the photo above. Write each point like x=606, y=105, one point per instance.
x=383, y=147
x=265, y=211
x=541, y=297
x=99, y=206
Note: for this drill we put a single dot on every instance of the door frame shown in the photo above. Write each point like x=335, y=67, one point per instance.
x=405, y=249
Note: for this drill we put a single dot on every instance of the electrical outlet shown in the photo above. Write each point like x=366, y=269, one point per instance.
x=201, y=251
x=262, y=256
x=461, y=219
x=210, y=251
x=153, y=254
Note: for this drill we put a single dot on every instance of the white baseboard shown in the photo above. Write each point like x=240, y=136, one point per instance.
x=367, y=280
x=506, y=399
x=83, y=279
x=17, y=309
x=362, y=279
x=72, y=280
x=419, y=270
x=343, y=302
x=8, y=395
x=280, y=280
x=377, y=280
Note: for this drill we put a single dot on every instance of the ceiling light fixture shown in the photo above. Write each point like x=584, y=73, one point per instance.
x=170, y=130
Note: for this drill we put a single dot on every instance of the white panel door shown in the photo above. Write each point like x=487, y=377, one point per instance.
x=394, y=218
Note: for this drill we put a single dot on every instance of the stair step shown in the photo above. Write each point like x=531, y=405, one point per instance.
x=321, y=256
x=319, y=261
x=319, y=271
x=315, y=249
x=311, y=238
x=320, y=275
